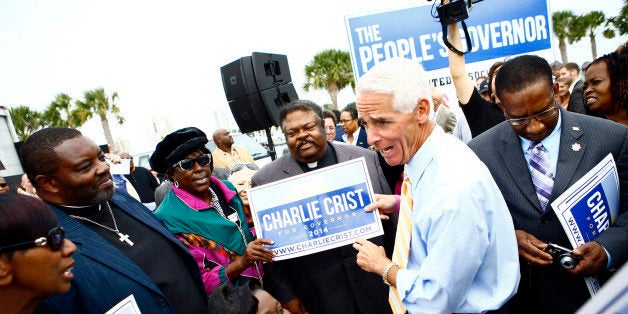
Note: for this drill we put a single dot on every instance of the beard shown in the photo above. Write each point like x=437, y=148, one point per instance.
x=90, y=194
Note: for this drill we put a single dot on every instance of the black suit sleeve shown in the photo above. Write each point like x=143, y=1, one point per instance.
x=615, y=239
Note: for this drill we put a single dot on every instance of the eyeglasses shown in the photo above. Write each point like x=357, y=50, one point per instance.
x=188, y=164
x=239, y=167
x=54, y=240
x=3, y=185
x=345, y=121
x=543, y=115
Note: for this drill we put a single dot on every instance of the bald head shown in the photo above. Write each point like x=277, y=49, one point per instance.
x=223, y=139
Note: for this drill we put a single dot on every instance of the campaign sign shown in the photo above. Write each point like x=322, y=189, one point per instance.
x=497, y=29
x=589, y=207
x=591, y=214
x=315, y=211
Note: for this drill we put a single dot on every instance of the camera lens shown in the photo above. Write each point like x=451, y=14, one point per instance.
x=567, y=262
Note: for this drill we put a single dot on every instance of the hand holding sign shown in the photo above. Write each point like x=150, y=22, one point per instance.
x=257, y=252
x=386, y=204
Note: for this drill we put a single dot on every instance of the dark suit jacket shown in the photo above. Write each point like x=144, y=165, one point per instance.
x=328, y=281
x=576, y=99
x=361, y=141
x=104, y=276
x=549, y=289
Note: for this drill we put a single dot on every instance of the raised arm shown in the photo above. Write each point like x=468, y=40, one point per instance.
x=463, y=84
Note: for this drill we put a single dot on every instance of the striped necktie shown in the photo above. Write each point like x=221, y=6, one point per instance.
x=402, y=241
x=542, y=176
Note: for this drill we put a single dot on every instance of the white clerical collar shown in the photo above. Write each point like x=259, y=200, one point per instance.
x=312, y=165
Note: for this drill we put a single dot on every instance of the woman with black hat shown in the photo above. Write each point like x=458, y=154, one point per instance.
x=206, y=213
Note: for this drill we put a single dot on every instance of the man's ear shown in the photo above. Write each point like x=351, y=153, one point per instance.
x=501, y=106
x=555, y=88
x=6, y=273
x=422, y=109
x=46, y=183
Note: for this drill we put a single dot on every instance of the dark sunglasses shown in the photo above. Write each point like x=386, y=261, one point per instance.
x=54, y=240
x=239, y=167
x=3, y=185
x=188, y=164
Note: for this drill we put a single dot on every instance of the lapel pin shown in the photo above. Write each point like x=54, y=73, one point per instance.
x=575, y=128
x=575, y=147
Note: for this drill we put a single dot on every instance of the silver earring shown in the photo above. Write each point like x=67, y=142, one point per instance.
x=176, y=183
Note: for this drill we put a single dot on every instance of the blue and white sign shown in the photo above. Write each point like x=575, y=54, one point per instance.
x=497, y=29
x=590, y=207
x=316, y=211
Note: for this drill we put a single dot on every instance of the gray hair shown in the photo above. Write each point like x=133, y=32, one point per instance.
x=402, y=78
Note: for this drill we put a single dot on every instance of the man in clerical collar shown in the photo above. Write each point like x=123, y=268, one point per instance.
x=118, y=239
x=342, y=286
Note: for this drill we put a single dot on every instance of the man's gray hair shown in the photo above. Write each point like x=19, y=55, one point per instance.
x=402, y=78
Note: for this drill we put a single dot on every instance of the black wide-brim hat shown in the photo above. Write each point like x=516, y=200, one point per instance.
x=175, y=146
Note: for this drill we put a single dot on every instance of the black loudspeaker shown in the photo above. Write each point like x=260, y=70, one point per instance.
x=275, y=98
x=238, y=78
x=250, y=113
x=256, y=87
x=270, y=70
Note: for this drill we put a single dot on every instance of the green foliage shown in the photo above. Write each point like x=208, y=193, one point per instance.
x=572, y=28
x=329, y=70
x=96, y=102
x=560, y=24
x=25, y=121
x=61, y=113
x=561, y=21
x=620, y=22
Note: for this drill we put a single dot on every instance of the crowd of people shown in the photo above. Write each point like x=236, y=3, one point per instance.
x=467, y=219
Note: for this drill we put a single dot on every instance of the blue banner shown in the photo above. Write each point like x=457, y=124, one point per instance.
x=497, y=29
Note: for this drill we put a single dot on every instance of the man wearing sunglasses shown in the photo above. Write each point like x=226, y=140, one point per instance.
x=534, y=156
x=340, y=285
x=123, y=249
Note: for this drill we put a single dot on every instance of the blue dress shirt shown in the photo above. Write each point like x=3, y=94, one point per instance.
x=463, y=251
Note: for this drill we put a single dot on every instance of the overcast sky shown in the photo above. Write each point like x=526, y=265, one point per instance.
x=164, y=57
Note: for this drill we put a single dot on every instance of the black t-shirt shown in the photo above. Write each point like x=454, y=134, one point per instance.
x=481, y=114
x=160, y=259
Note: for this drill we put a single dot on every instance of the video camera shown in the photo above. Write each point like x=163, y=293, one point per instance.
x=456, y=11
x=453, y=12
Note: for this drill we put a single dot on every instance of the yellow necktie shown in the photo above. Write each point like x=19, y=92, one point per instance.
x=402, y=242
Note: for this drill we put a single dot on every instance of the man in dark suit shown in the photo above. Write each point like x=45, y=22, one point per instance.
x=572, y=145
x=123, y=250
x=570, y=76
x=354, y=134
x=328, y=281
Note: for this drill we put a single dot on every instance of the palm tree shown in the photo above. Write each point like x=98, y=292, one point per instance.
x=588, y=24
x=560, y=24
x=96, y=102
x=621, y=21
x=25, y=121
x=60, y=113
x=329, y=70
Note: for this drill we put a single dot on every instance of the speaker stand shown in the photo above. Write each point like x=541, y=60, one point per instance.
x=271, y=146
